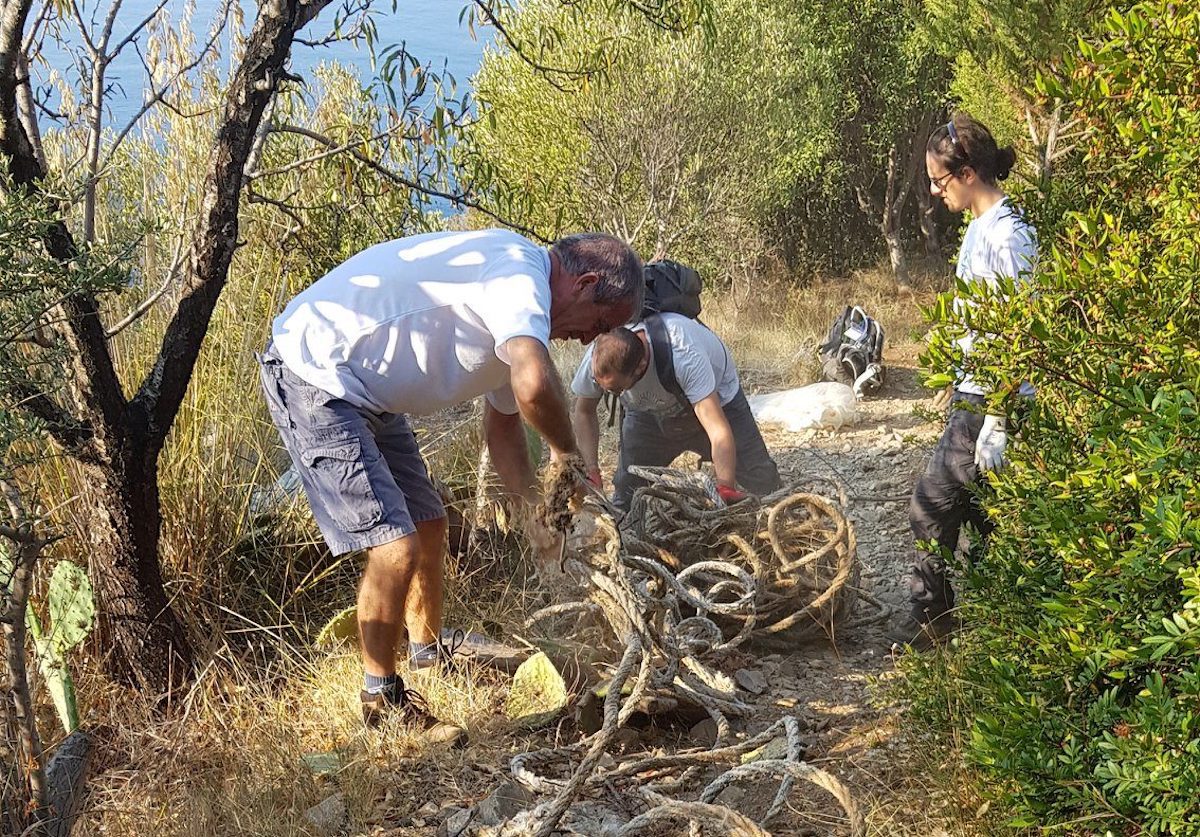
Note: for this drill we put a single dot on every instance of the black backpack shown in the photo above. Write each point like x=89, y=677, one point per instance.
x=671, y=288
x=853, y=352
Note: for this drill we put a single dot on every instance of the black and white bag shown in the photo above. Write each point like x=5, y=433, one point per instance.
x=853, y=352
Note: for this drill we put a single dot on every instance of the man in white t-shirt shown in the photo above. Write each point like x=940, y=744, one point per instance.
x=411, y=327
x=700, y=407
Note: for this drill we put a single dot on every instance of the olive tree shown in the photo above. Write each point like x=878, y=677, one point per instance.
x=112, y=416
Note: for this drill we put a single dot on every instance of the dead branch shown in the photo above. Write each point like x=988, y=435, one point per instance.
x=145, y=305
x=28, y=548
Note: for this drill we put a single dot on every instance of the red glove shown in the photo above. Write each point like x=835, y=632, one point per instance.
x=730, y=494
x=595, y=479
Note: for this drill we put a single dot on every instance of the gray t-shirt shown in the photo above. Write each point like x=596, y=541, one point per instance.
x=702, y=364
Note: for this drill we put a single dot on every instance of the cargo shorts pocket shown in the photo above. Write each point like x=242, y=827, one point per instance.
x=344, y=485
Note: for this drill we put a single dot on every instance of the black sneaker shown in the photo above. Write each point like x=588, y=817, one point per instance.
x=921, y=636
x=413, y=710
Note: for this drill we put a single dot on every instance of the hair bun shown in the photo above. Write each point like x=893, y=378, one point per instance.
x=1006, y=158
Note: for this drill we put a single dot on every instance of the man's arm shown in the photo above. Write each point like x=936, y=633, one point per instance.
x=587, y=430
x=539, y=393
x=720, y=436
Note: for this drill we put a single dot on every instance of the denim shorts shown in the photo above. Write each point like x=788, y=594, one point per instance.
x=362, y=472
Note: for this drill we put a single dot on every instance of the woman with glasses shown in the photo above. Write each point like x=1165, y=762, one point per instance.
x=965, y=169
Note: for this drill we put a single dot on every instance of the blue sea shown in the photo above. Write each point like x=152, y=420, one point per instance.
x=429, y=29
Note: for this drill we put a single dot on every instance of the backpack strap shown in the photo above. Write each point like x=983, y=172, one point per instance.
x=664, y=361
x=614, y=404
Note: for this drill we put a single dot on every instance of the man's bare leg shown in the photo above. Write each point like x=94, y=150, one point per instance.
x=381, y=596
x=423, y=606
x=386, y=585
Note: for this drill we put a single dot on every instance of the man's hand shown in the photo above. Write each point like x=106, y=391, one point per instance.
x=989, y=447
x=730, y=494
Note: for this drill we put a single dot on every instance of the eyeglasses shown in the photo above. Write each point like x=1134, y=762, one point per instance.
x=617, y=390
x=940, y=182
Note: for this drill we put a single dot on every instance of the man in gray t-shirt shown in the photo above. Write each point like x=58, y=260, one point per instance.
x=705, y=411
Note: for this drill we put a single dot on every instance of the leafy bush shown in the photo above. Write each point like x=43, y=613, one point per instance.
x=1079, y=683
x=720, y=147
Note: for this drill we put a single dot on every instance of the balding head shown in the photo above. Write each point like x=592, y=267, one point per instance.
x=619, y=360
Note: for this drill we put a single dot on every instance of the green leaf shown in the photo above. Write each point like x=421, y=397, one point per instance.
x=538, y=693
x=71, y=606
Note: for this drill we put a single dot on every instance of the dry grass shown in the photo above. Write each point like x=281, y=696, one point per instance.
x=774, y=335
x=234, y=760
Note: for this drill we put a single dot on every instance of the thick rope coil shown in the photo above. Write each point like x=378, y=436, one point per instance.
x=669, y=609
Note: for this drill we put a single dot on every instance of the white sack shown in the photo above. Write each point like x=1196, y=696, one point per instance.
x=827, y=405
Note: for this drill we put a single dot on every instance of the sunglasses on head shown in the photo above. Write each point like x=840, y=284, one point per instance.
x=952, y=131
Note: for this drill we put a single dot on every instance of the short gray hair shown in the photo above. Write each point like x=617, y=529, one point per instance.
x=619, y=267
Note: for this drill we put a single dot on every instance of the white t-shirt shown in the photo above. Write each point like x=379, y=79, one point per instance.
x=702, y=365
x=419, y=324
x=999, y=243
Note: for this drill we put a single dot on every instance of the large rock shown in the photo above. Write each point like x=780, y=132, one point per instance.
x=502, y=804
x=704, y=734
x=329, y=815
x=750, y=680
x=455, y=823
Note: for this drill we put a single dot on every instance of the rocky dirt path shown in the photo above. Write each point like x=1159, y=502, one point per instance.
x=830, y=685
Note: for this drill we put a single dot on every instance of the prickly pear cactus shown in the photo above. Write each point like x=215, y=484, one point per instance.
x=72, y=609
x=343, y=627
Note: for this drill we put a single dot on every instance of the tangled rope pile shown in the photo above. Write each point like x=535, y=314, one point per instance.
x=662, y=615
x=797, y=543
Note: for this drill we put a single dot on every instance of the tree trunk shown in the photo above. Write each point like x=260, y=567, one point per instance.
x=30, y=774
x=148, y=647
x=899, y=262
x=929, y=230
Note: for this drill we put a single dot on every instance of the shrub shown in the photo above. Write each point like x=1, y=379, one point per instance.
x=1080, y=681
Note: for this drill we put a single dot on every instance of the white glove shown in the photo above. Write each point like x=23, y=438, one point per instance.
x=989, y=447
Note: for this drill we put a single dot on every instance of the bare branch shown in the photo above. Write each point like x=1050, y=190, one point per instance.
x=109, y=21
x=1033, y=131
x=306, y=161
x=29, y=547
x=357, y=31
x=159, y=94
x=145, y=305
x=460, y=199
x=61, y=426
x=137, y=30
x=84, y=32
x=26, y=108
x=35, y=29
